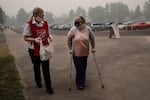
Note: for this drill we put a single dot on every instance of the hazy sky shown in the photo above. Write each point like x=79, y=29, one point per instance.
x=59, y=7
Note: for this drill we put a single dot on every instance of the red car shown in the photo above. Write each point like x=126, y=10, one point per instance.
x=139, y=25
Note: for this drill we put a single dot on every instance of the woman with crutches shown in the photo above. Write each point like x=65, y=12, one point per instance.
x=79, y=37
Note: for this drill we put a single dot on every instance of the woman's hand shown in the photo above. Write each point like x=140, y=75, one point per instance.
x=70, y=51
x=38, y=40
x=93, y=50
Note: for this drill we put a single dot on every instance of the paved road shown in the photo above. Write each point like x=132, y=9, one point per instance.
x=123, y=62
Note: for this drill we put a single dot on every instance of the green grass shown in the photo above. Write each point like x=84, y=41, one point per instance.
x=10, y=83
x=11, y=87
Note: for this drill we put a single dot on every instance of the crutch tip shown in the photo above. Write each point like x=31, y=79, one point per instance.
x=102, y=86
x=69, y=89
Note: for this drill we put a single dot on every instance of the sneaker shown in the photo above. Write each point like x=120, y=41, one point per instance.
x=50, y=91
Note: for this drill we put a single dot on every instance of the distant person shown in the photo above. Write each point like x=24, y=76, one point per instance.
x=79, y=37
x=111, y=32
x=114, y=30
x=36, y=30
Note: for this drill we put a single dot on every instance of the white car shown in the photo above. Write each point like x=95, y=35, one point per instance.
x=124, y=25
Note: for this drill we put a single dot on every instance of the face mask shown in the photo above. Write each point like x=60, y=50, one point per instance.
x=77, y=24
x=39, y=19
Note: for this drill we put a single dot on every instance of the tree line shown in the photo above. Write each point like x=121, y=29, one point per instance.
x=117, y=11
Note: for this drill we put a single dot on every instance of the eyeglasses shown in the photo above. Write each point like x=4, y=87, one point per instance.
x=77, y=23
x=41, y=16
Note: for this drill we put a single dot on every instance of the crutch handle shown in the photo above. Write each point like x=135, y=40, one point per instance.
x=93, y=50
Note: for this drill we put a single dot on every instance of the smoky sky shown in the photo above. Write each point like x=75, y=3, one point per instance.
x=59, y=7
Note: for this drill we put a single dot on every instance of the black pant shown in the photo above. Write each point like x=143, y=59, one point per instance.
x=37, y=72
x=111, y=33
x=80, y=65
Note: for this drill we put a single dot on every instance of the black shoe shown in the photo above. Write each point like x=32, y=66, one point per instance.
x=81, y=87
x=39, y=85
x=50, y=91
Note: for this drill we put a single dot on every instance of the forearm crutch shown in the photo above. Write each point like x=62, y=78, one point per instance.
x=70, y=76
x=100, y=75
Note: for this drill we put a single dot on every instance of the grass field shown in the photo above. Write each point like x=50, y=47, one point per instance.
x=11, y=87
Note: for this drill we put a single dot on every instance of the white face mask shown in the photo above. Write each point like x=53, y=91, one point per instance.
x=39, y=19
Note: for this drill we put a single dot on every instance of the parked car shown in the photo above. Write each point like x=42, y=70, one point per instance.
x=123, y=25
x=108, y=26
x=98, y=26
x=138, y=25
